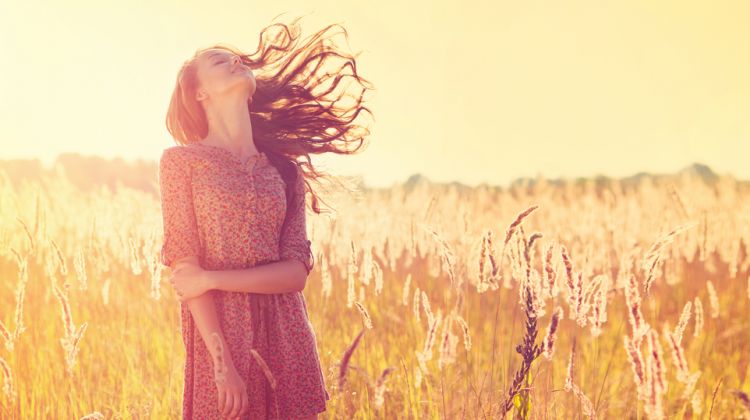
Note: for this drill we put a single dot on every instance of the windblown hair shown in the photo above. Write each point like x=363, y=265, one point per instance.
x=292, y=112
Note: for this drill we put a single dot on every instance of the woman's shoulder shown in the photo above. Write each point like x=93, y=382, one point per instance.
x=179, y=153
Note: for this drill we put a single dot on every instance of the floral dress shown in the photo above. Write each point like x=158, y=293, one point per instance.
x=231, y=214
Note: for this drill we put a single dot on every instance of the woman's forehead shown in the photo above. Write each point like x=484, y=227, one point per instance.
x=214, y=52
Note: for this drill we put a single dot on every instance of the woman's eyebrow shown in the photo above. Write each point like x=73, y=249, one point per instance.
x=218, y=53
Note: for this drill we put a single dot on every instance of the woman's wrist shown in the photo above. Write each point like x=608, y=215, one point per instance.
x=208, y=280
x=225, y=358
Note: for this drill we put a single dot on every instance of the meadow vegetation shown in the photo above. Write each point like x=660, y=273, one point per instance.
x=581, y=299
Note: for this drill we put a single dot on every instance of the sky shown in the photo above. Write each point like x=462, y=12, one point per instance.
x=472, y=91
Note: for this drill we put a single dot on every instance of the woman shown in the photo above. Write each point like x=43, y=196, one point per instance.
x=233, y=206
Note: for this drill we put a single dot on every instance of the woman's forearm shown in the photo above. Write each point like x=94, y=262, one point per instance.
x=203, y=310
x=284, y=276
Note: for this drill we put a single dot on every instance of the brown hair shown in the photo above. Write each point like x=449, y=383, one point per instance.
x=290, y=118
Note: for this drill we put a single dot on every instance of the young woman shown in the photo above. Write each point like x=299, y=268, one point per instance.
x=233, y=206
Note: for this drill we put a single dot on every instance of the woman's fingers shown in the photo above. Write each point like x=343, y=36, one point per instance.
x=237, y=405
x=245, y=404
x=222, y=398
x=228, y=405
x=174, y=287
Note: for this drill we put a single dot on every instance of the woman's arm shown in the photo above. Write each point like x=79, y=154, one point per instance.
x=277, y=277
x=181, y=244
x=296, y=260
x=203, y=310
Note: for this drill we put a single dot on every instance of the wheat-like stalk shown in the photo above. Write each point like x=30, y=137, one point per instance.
x=678, y=354
x=405, y=290
x=427, y=308
x=378, y=399
x=548, y=345
x=682, y=323
x=365, y=315
x=465, y=329
x=698, y=326
x=8, y=389
x=345, y=359
x=713, y=299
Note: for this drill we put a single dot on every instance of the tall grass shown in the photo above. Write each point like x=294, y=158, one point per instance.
x=418, y=313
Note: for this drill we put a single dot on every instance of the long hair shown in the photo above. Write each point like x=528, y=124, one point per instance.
x=293, y=114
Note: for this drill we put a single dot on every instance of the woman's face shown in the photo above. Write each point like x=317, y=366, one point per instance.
x=221, y=72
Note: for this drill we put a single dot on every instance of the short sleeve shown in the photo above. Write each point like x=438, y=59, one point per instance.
x=180, y=229
x=293, y=243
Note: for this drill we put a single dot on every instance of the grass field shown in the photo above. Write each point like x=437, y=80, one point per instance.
x=629, y=300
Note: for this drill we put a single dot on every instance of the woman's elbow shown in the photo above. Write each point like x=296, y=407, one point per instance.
x=302, y=275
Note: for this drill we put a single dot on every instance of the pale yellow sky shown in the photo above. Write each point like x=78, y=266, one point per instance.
x=474, y=91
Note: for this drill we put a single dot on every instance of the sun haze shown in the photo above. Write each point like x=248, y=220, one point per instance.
x=475, y=92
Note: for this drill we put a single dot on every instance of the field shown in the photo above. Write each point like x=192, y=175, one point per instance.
x=585, y=299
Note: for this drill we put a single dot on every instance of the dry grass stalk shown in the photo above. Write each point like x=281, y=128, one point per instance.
x=483, y=258
x=512, y=228
x=493, y=282
x=599, y=306
x=325, y=277
x=678, y=199
x=678, y=354
x=379, y=398
x=60, y=259
x=653, y=257
x=365, y=315
x=531, y=278
x=656, y=377
x=550, y=276
x=633, y=351
x=635, y=315
x=529, y=351
x=7, y=380
x=575, y=286
x=377, y=274
x=7, y=337
x=570, y=386
x=713, y=299
x=698, y=326
x=548, y=346
x=690, y=395
x=73, y=335
x=682, y=323
x=405, y=293
x=744, y=400
x=269, y=377
x=465, y=329
x=264, y=367
x=447, y=256
x=351, y=271
x=23, y=277
x=79, y=264
x=448, y=344
x=29, y=236
x=343, y=367
x=427, y=308
x=415, y=304
x=430, y=340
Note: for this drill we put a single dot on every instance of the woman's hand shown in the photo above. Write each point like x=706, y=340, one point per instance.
x=189, y=281
x=232, y=390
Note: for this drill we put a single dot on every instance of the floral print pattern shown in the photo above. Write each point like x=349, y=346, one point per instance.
x=232, y=215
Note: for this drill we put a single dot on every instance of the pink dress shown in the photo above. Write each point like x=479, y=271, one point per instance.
x=231, y=214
